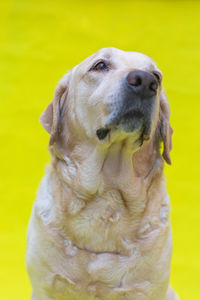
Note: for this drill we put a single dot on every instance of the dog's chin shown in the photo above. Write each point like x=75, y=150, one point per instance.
x=129, y=123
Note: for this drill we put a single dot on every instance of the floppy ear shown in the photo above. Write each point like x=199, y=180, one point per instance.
x=165, y=127
x=51, y=118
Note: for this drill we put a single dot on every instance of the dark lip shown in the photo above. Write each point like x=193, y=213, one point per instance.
x=102, y=133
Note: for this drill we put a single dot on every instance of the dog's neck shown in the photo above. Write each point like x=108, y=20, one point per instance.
x=91, y=171
x=120, y=187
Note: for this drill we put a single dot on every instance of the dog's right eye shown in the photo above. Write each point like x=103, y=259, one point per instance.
x=100, y=66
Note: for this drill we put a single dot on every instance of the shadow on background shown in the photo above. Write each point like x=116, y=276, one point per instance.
x=39, y=42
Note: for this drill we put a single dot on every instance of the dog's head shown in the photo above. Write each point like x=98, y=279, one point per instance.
x=111, y=96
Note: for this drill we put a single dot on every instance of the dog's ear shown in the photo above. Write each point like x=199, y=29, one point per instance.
x=51, y=118
x=165, y=128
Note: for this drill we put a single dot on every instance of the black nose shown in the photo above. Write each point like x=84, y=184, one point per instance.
x=143, y=83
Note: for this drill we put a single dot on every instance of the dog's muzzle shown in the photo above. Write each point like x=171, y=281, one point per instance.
x=134, y=107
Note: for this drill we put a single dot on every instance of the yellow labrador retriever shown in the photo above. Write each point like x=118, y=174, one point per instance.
x=100, y=225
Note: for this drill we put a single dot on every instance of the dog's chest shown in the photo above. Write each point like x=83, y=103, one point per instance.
x=104, y=224
x=70, y=272
x=96, y=252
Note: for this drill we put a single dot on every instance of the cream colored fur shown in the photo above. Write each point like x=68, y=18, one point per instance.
x=100, y=226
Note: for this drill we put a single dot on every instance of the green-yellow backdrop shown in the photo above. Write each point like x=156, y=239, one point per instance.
x=39, y=41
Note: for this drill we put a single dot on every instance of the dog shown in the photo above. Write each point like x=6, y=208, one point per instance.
x=100, y=226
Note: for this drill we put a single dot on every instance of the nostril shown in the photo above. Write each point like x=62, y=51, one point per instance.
x=134, y=79
x=144, y=84
x=153, y=86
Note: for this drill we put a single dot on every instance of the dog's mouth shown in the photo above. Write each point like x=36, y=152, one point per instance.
x=128, y=122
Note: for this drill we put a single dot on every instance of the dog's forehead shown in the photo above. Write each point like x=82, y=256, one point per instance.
x=120, y=58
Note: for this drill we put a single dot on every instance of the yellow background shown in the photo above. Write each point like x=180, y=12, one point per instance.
x=39, y=41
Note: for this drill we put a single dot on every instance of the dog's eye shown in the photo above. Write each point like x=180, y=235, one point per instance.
x=100, y=66
x=158, y=76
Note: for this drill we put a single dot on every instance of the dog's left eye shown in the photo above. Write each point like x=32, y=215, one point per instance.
x=100, y=66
